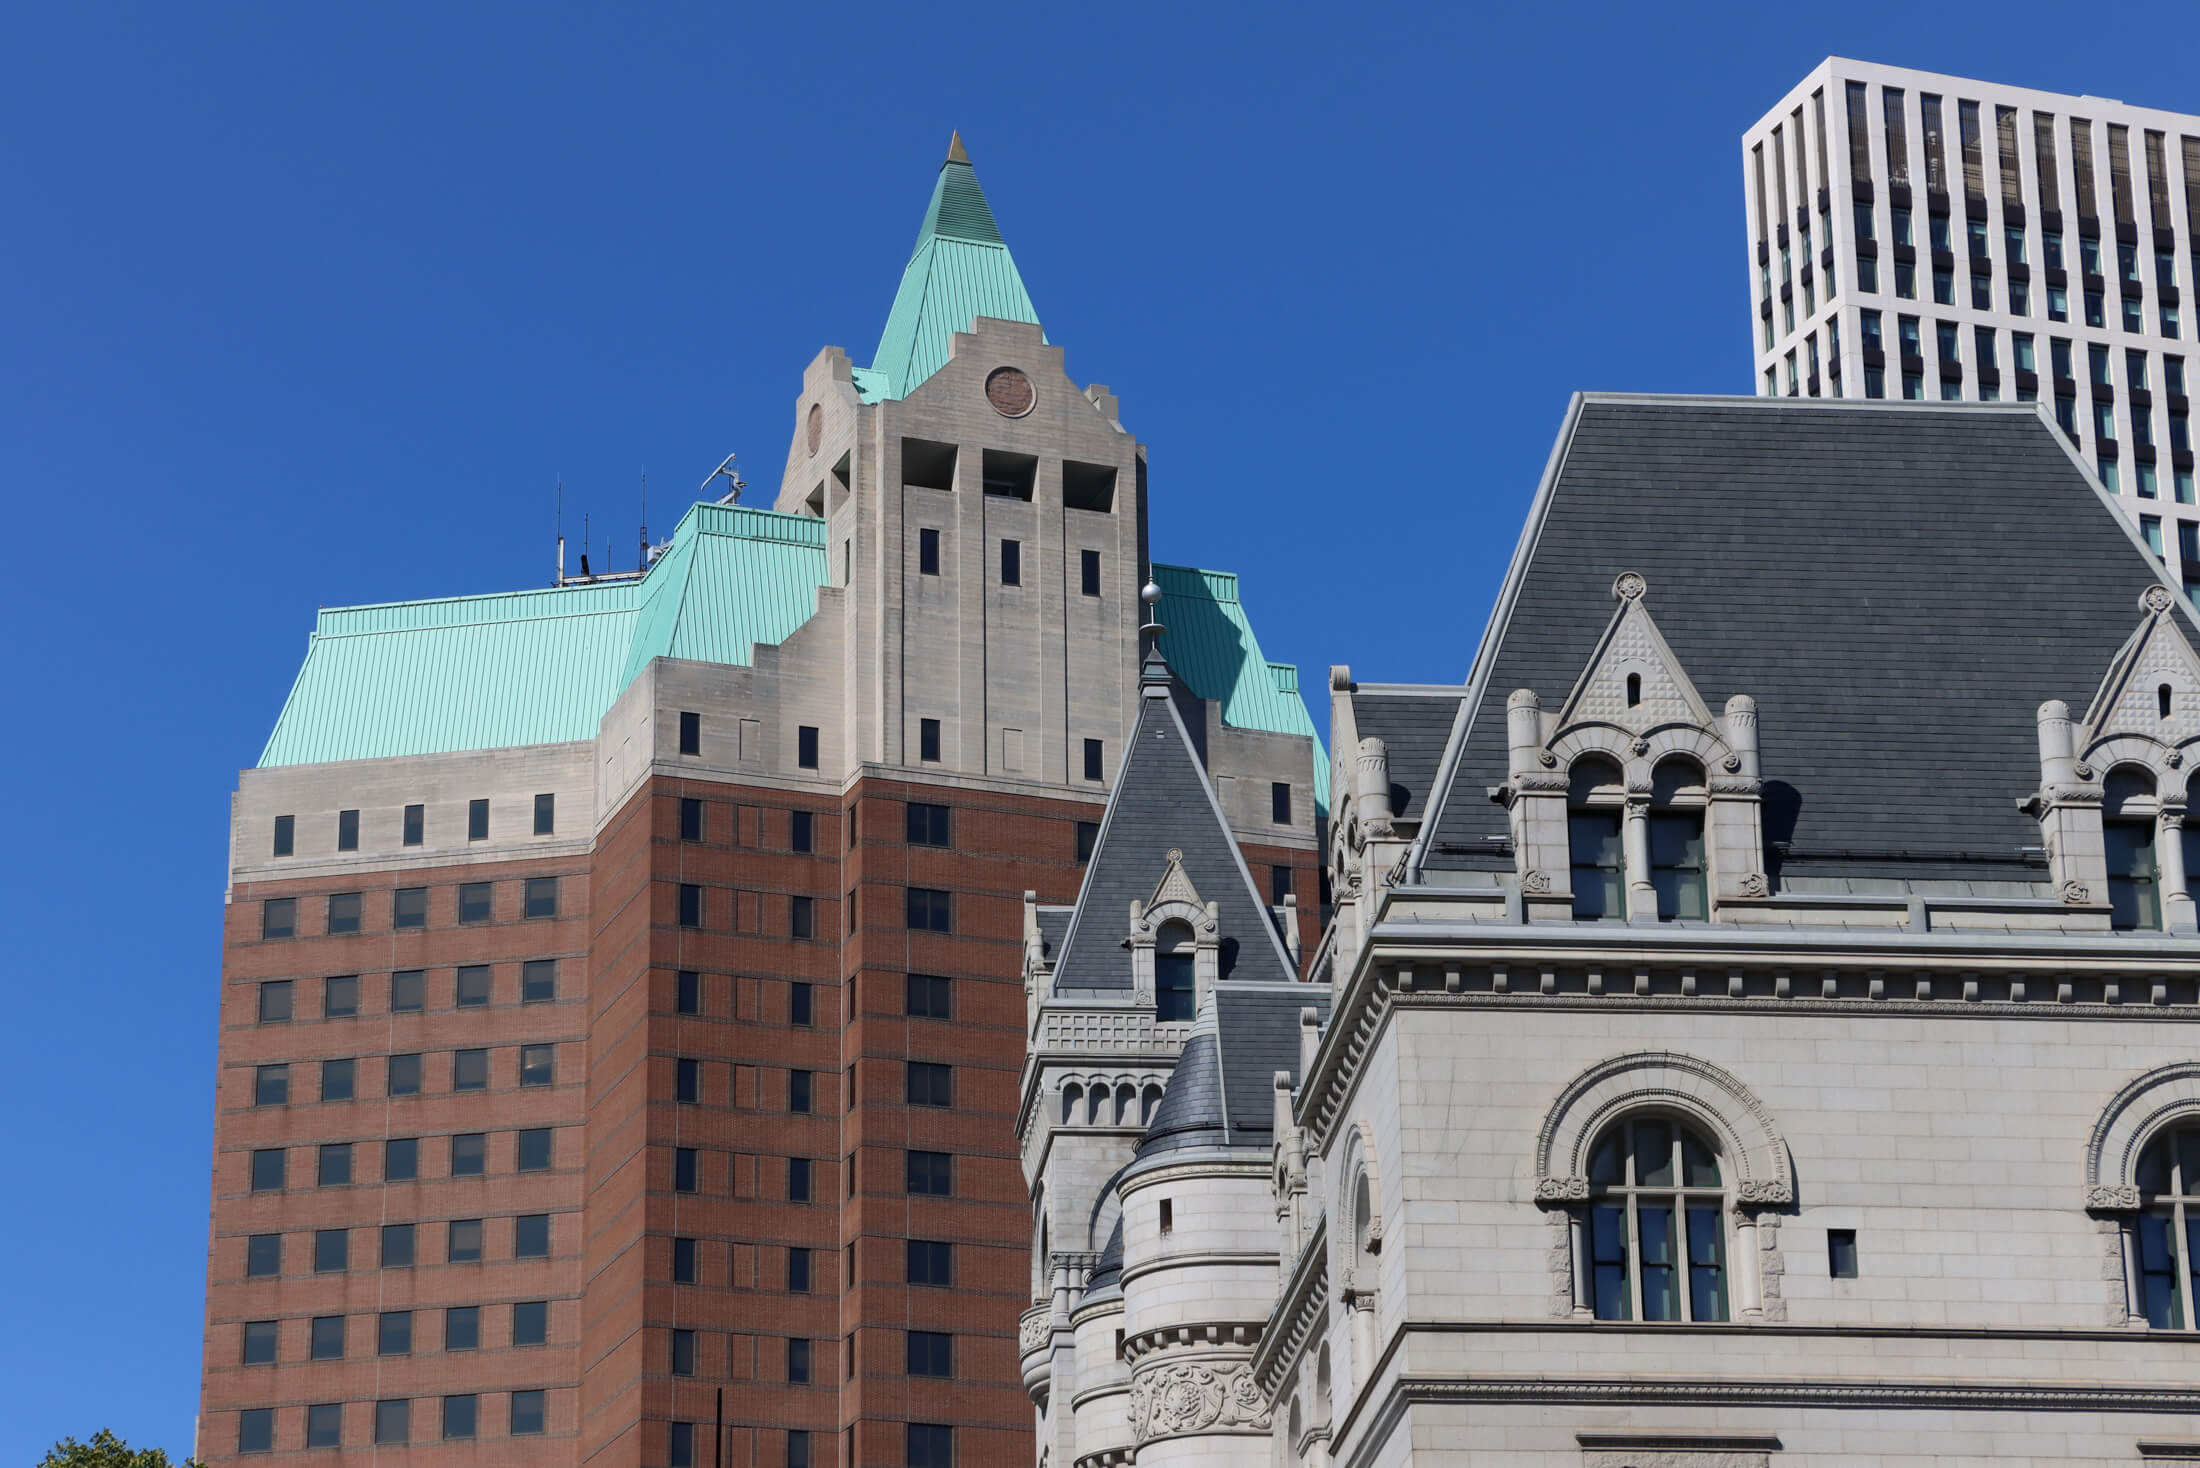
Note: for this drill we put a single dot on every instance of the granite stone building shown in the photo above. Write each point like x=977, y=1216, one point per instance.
x=621, y=1011
x=1759, y=1024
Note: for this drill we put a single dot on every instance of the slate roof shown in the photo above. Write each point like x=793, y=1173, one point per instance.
x=1222, y=1092
x=1898, y=586
x=1415, y=726
x=1163, y=802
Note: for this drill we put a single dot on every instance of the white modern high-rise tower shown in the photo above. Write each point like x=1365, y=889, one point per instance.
x=1929, y=237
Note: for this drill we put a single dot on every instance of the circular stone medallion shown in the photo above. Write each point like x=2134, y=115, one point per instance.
x=817, y=425
x=1009, y=391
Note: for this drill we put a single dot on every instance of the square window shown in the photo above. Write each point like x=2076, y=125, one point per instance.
x=798, y=1271
x=683, y=1353
x=930, y=910
x=416, y=824
x=801, y=1003
x=331, y=1250
x=259, y=1342
x=286, y=835
x=256, y=1430
x=263, y=1256
x=798, y=1361
x=327, y=1338
x=334, y=1170
x=1094, y=753
x=930, y=997
x=689, y=998
x=683, y=1261
x=930, y=825
x=546, y=815
x=477, y=820
x=459, y=1415
x=410, y=908
x=538, y=981
x=325, y=1425
x=404, y=1075
x=528, y=1414
x=691, y=818
x=279, y=917
x=469, y=1070
x=686, y=1170
x=1279, y=802
x=401, y=1160
x=691, y=905
x=541, y=898
x=928, y=553
x=1012, y=563
x=1088, y=836
x=691, y=733
x=931, y=1174
x=931, y=1263
x=408, y=990
x=929, y=1084
x=340, y=997
x=1841, y=1253
x=805, y=746
x=1088, y=572
x=687, y=1081
x=798, y=1179
x=462, y=1328
x=798, y=1091
x=536, y=1145
x=398, y=1245
x=801, y=917
x=472, y=990
x=538, y=1065
x=473, y=902
x=929, y=1445
x=392, y=1422
x=531, y=1323
x=347, y=830
x=931, y=1353
x=801, y=831
x=267, y=1170
x=343, y=912
x=271, y=1085
x=469, y=1154
x=928, y=741
x=465, y=1241
x=338, y=1079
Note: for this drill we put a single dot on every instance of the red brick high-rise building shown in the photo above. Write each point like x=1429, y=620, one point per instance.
x=622, y=1014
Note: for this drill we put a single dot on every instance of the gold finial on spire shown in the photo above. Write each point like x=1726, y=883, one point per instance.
x=955, y=153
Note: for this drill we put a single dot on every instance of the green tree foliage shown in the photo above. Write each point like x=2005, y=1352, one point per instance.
x=105, y=1450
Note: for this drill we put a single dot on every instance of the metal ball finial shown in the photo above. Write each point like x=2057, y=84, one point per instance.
x=1150, y=595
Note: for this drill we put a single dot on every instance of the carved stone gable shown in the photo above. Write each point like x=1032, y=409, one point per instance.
x=1175, y=885
x=1633, y=679
x=2129, y=701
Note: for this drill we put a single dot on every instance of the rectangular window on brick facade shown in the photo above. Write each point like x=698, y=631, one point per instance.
x=931, y=1262
x=408, y=990
x=535, y=1145
x=691, y=818
x=930, y=1174
x=541, y=898
x=347, y=830
x=930, y=825
x=801, y=917
x=1088, y=837
x=271, y=1085
x=333, y=1165
x=268, y=1168
x=801, y=831
x=279, y=917
x=531, y=1236
x=343, y=912
x=546, y=815
x=683, y=1261
x=931, y=1353
x=798, y=1271
x=259, y=1343
x=331, y=1250
x=393, y=1335
x=416, y=825
x=398, y=1245
x=798, y=1179
x=531, y=1323
x=462, y=1328
x=680, y=1445
x=286, y=835
x=339, y=1079
x=687, y=1169
x=469, y=1154
x=801, y=1004
x=798, y=1361
x=325, y=1425
x=263, y=1256
x=805, y=746
x=400, y=1159
x=687, y=1081
x=529, y=1414
x=256, y=1430
x=691, y=733
x=930, y=910
x=465, y=1241
x=798, y=1091
x=691, y=905
x=469, y=1070
x=409, y=908
x=1279, y=884
x=538, y=1065
x=929, y=1445
x=688, y=998
x=477, y=820
x=326, y=1338
x=473, y=902
x=930, y=996
x=538, y=981
x=798, y=1448
x=460, y=1416
x=471, y=990
x=393, y=1422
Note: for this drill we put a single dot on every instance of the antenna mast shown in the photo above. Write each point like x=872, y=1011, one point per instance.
x=734, y=482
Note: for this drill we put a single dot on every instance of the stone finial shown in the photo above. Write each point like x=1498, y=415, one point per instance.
x=2058, y=751
x=2157, y=599
x=1741, y=733
x=1310, y=1038
x=1371, y=782
x=1340, y=678
x=955, y=153
x=1629, y=586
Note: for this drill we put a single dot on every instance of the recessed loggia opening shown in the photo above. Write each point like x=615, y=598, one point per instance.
x=1088, y=486
x=927, y=465
x=1010, y=475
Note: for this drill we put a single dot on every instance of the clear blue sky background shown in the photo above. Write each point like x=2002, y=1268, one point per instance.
x=312, y=304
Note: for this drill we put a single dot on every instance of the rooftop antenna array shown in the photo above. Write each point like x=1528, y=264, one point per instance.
x=734, y=482
x=561, y=533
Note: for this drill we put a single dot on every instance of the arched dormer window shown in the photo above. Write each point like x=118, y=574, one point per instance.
x=2127, y=832
x=1657, y=1230
x=1174, y=995
x=2169, y=1210
x=1595, y=806
x=1677, y=870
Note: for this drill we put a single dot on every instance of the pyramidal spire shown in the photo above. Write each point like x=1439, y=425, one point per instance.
x=955, y=153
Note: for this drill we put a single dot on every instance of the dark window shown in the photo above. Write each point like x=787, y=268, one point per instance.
x=798, y=1091
x=331, y=1250
x=931, y=1174
x=930, y=910
x=1093, y=760
x=398, y=1241
x=408, y=990
x=347, y=830
x=1677, y=865
x=286, y=834
x=928, y=553
x=401, y=1159
x=805, y=746
x=680, y=1448
x=528, y=1416
x=683, y=1353
x=256, y=1430
x=541, y=898
x=687, y=1081
x=1279, y=802
x=1012, y=563
x=465, y=1241
x=477, y=820
x=271, y=1085
x=1599, y=870
x=798, y=1271
x=538, y=981
x=2133, y=892
x=340, y=997
x=930, y=825
x=416, y=823
x=327, y=1338
x=1174, y=995
x=930, y=997
x=267, y=1170
x=473, y=902
x=802, y=917
x=1088, y=836
x=930, y=1085
x=691, y=905
x=929, y=1445
x=691, y=818
x=531, y=1236
x=469, y=1154
x=928, y=740
x=535, y=1149
x=343, y=912
x=690, y=997
x=931, y=1263
x=404, y=1073
x=798, y=1361
x=538, y=1065
x=393, y=1422
x=462, y=1328
x=801, y=831
x=531, y=1323
x=333, y=1165
x=686, y=1170
x=325, y=1425
x=691, y=733
x=1279, y=884
x=798, y=1447
x=1088, y=568
x=798, y=1179
x=801, y=1004
x=259, y=1342
x=472, y=988
x=469, y=1070
x=683, y=1261
x=458, y=1418
x=339, y=1079
x=410, y=908
x=1841, y=1253
x=931, y=1353
x=546, y=815
x=394, y=1333
x=263, y=1256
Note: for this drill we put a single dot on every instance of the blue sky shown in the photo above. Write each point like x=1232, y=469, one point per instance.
x=314, y=304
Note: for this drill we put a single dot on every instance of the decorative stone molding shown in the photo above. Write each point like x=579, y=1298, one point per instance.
x=2144, y=1104
x=1764, y=1193
x=1561, y=1190
x=2075, y=892
x=1036, y=1328
x=1753, y=1154
x=1698, y=1392
x=1756, y=884
x=2112, y=1199
x=1173, y=1399
x=1537, y=882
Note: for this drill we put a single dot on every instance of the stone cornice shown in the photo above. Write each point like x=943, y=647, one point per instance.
x=1199, y=1259
x=1229, y=1336
x=1305, y=1298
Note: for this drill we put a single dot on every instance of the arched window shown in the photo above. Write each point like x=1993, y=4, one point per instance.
x=1593, y=811
x=1173, y=995
x=1071, y=1095
x=2127, y=831
x=1657, y=1234
x=1148, y=1099
x=1676, y=839
x=1126, y=1098
x=1363, y=1216
x=2169, y=1227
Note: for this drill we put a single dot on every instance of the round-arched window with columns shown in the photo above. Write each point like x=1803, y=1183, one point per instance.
x=1596, y=798
x=1657, y=1222
x=2128, y=809
x=2168, y=1176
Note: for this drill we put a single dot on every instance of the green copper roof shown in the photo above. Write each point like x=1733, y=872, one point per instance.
x=959, y=270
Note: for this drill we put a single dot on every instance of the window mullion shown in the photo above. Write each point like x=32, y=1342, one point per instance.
x=1634, y=1250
